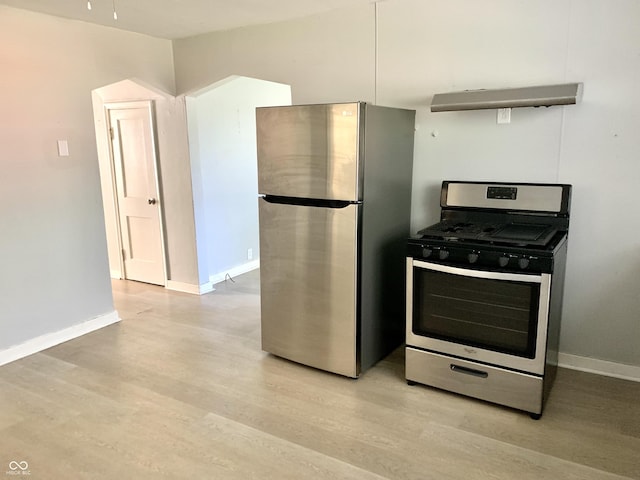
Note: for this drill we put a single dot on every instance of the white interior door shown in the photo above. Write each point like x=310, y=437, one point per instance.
x=134, y=158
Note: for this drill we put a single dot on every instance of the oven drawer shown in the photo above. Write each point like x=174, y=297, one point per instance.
x=493, y=384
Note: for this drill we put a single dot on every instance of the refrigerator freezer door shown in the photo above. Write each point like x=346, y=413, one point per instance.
x=309, y=151
x=308, y=258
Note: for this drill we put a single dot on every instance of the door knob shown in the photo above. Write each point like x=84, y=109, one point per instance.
x=152, y=201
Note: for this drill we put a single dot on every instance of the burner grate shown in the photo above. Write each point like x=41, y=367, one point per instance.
x=511, y=233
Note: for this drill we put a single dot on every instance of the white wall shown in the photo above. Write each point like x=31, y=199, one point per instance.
x=420, y=47
x=54, y=272
x=222, y=142
x=327, y=57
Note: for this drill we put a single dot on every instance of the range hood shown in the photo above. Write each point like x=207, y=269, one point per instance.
x=541, y=96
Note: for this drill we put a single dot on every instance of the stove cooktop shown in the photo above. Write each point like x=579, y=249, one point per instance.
x=506, y=227
x=504, y=247
x=517, y=234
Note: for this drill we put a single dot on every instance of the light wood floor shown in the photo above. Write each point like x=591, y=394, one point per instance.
x=181, y=390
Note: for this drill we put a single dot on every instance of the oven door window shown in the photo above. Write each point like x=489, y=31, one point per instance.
x=496, y=315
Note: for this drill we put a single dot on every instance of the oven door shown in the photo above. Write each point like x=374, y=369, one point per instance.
x=491, y=317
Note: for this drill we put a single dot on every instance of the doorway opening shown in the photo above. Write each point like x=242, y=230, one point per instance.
x=223, y=151
x=206, y=170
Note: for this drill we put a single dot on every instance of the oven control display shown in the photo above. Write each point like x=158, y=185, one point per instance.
x=502, y=193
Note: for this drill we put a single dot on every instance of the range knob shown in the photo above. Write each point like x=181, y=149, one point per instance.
x=503, y=261
x=523, y=262
x=472, y=257
x=443, y=254
x=426, y=252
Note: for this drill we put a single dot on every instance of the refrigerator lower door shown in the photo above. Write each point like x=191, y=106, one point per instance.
x=308, y=275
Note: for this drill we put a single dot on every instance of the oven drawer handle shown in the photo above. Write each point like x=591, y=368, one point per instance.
x=469, y=371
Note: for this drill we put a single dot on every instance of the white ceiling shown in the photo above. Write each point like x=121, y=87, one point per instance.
x=173, y=19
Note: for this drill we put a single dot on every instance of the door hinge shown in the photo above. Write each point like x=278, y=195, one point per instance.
x=124, y=254
x=111, y=132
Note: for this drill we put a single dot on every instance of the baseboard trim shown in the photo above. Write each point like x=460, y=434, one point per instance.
x=234, y=272
x=190, y=287
x=213, y=279
x=49, y=340
x=600, y=367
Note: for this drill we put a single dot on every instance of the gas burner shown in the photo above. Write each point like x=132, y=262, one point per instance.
x=458, y=227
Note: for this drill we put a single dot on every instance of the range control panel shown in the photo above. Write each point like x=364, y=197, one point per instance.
x=542, y=198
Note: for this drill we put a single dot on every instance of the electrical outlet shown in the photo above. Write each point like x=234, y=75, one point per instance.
x=504, y=115
x=250, y=254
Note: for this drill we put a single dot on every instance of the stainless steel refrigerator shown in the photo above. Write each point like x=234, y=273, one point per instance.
x=334, y=207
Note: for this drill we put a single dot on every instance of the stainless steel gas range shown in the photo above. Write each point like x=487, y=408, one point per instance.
x=484, y=292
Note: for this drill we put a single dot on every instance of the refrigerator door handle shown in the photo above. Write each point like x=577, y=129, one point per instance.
x=308, y=202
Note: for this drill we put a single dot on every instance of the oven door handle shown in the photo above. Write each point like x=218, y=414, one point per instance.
x=467, y=272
